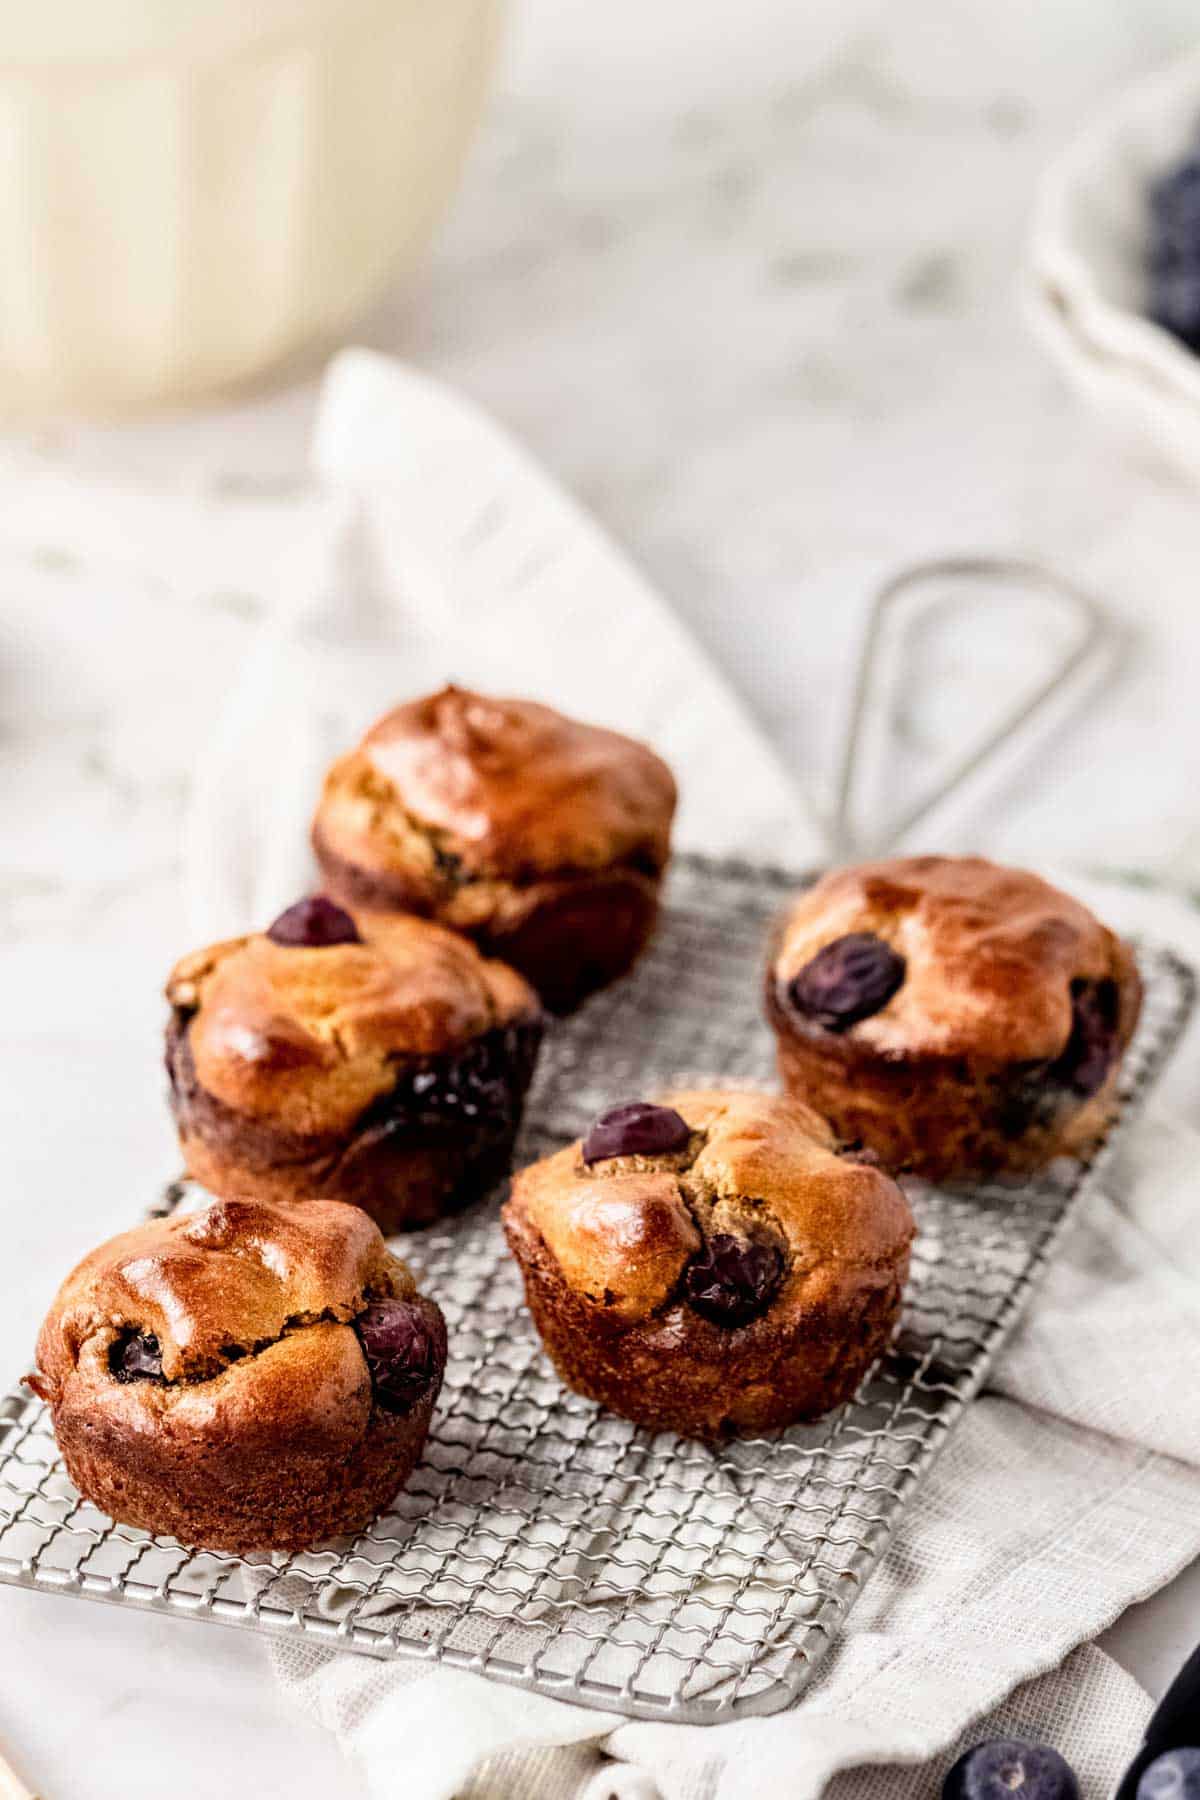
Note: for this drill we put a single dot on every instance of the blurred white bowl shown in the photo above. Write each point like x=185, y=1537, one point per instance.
x=1086, y=282
x=193, y=190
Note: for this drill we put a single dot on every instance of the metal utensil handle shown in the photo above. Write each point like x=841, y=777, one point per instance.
x=1096, y=628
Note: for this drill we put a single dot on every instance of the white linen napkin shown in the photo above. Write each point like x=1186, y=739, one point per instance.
x=1073, y=1486
x=1036, y=1528
x=1084, y=281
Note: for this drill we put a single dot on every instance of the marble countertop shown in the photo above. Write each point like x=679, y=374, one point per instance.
x=745, y=280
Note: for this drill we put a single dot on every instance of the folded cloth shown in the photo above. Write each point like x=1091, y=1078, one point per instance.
x=1071, y=1489
x=455, y=558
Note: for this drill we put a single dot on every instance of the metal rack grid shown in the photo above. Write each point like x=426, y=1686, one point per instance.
x=549, y=1544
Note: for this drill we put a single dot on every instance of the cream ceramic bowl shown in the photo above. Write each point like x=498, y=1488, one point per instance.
x=193, y=190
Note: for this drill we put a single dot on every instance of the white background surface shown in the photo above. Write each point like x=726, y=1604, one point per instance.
x=742, y=277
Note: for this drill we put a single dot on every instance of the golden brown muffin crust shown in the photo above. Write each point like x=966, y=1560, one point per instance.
x=609, y=1255
x=989, y=954
x=509, y=788
x=237, y=1275
x=309, y=1037
x=622, y=1230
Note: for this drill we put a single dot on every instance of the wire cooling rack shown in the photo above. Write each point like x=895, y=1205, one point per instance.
x=549, y=1544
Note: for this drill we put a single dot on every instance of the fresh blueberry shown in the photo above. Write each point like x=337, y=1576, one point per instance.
x=733, y=1278
x=1175, y=302
x=1178, y=190
x=1174, y=250
x=637, y=1129
x=313, y=924
x=400, y=1352
x=474, y=1093
x=1005, y=1768
x=1172, y=1776
x=1084, y=1064
x=848, y=980
x=136, y=1357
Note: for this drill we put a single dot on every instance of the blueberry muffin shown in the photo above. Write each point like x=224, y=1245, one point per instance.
x=957, y=1018
x=711, y=1265
x=544, y=839
x=381, y=1061
x=243, y=1377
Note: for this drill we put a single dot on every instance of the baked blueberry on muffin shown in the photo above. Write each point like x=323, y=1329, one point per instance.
x=245, y=1377
x=544, y=839
x=956, y=1017
x=382, y=1062
x=711, y=1265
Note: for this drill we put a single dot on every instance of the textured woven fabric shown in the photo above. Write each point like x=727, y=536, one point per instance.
x=1072, y=1487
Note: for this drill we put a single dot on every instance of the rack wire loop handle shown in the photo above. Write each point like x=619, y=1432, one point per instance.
x=1096, y=628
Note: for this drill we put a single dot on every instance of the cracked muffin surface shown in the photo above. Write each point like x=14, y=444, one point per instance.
x=381, y=1061
x=244, y=1376
x=958, y=1017
x=543, y=838
x=741, y=1277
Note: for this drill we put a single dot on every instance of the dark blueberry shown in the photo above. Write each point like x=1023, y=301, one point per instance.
x=1009, y=1769
x=848, y=980
x=313, y=924
x=1175, y=302
x=400, y=1352
x=1173, y=254
x=1173, y=1776
x=637, y=1129
x=479, y=1089
x=1175, y=249
x=733, y=1278
x=1178, y=191
x=1084, y=1064
x=136, y=1357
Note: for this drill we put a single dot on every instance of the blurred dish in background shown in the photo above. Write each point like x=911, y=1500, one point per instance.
x=191, y=194
x=1088, y=283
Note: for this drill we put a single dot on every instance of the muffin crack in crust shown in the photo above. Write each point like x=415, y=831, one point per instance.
x=191, y=1374
x=738, y=1283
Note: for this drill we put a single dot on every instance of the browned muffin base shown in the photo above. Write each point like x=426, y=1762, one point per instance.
x=680, y=1372
x=255, y=1491
x=400, y=1179
x=569, y=935
x=943, y=1118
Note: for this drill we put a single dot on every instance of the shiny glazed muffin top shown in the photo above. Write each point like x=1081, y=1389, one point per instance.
x=754, y=1203
x=949, y=956
x=508, y=788
x=217, y=1285
x=308, y=1035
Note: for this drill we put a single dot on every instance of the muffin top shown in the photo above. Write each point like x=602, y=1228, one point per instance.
x=214, y=1286
x=505, y=789
x=725, y=1201
x=950, y=956
x=306, y=1022
x=244, y=1325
